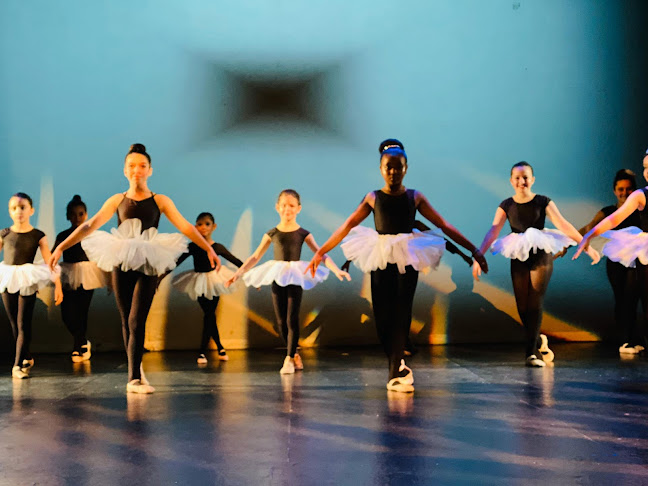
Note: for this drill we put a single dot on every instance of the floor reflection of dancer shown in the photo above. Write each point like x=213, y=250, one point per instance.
x=20, y=279
x=135, y=253
x=79, y=278
x=531, y=248
x=286, y=273
x=628, y=246
x=205, y=284
x=394, y=255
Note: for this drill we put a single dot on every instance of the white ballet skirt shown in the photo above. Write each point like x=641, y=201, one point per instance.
x=284, y=273
x=518, y=246
x=372, y=251
x=626, y=245
x=204, y=284
x=27, y=278
x=130, y=248
x=83, y=274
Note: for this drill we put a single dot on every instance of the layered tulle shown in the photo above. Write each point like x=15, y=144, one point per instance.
x=518, y=246
x=372, y=251
x=130, y=248
x=26, y=279
x=204, y=284
x=83, y=274
x=626, y=245
x=284, y=273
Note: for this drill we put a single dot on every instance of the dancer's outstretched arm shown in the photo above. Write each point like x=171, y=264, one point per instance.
x=252, y=260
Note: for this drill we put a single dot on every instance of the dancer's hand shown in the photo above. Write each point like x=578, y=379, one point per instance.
x=346, y=266
x=313, y=264
x=561, y=254
x=231, y=280
x=213, y=259
x=341, y=275
x=58, y=293
x=582, y=246
x=54, y=259
x=476, y=271
x=593, y=254
x=481, y=260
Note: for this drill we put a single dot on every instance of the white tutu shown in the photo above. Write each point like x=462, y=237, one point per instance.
x=130, y=248
x=518, y=246
x=626, y=245
x=203, y=284
x=284, y=273
x=83, y=274
x=371, y=251
x=26, y=279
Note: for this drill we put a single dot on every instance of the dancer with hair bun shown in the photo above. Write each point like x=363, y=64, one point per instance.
x=286, y=273
x=79, y=278
x=20, y=278
x=135, y=253
x=531, y=249
x=393, y=253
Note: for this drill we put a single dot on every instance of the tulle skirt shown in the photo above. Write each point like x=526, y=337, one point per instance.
x=26, y=279
x=371, y=251
x=204, y=284
x=83, y=274
x=284, y=273
x=518, y=246
x=626, y=245
x=130, y=248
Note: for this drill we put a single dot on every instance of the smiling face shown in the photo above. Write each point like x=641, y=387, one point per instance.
x=288, y=207
x=137, y=168
x=622, y=189
x=522, y=179
x=393, y=169
x=77, y=215
x=205, y=227
x=20, y=210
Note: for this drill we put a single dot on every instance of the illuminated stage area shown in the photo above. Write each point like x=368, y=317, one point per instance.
x=478, y=416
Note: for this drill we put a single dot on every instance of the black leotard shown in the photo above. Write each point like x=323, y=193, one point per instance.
x=523, y=216
x=75, y=253
x=146, y=211
x=633, y=220
x=287, y=245
x=201, y=261
x=643, y=214
x=20, y=248
x=394, y=214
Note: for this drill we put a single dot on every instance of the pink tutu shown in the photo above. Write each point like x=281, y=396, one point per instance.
x=284, y=273
x=518, y=246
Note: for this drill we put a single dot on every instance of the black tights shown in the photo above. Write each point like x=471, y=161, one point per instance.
x=530, y=280
x=134, y=292
x=392, y=296
x=640, y=328
x=210, y=329
x=74, y=310
x=287, y=301
x=20, y=309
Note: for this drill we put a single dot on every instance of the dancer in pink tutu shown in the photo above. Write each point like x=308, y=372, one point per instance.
x=286, y=273
x=531, y=248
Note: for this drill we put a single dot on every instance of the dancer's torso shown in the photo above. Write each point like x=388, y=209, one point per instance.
x=20, y=248
x=288, y=244
x=146, y=211
x=75, y=253
x=522, y=216
x=394, y=214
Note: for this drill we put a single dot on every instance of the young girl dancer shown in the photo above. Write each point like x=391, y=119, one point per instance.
x=394, y=255
x=20, y=279
x=79, y=278
x=205, y=284
x=623, y=280
x=530, y=247
x=286, y=273
x=135, y=253
x=626, y=246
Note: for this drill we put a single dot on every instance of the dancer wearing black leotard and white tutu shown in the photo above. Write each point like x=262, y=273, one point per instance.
x=394, y=253
x=135, y=253
x=286, y=273
x=531, y=248
x=20, y=278
x=629, y=247
x=205, y=284
x=79, y=278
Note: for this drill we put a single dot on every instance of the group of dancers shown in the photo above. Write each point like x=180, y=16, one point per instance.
x=134, y=257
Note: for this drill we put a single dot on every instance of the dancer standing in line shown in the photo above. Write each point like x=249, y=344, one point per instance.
x=20, y=279
x=205, y=284
x=629, y=247
x=286, y=273
x=135, y=253
x=394, y=254
x=531, y=248
x=79, y=278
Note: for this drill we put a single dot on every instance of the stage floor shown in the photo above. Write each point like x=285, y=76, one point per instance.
x=478, y=416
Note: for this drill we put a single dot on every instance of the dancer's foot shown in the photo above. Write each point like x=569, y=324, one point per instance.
x=299, y=364
x=547, y=354
x=83, y=354
x=27, y=364
x=18, y=373
x=407, y=376
x=202, y=359
x=143, y=376
x=535, y=362
x=136, y=386
x=288, y=367
x=222, y=355
x=399, y=385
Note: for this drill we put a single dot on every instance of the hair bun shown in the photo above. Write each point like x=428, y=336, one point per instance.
x=137, y=148
x=76, y=198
